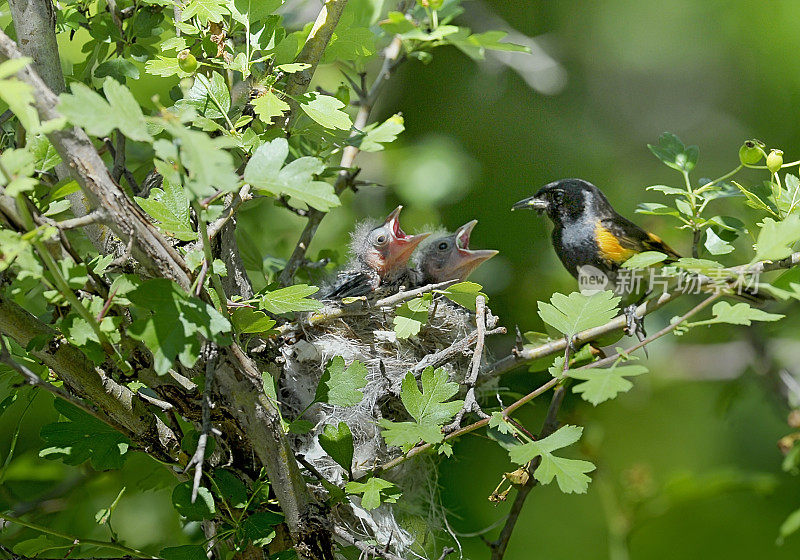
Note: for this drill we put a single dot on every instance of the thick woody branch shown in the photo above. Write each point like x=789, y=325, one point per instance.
x=127, y=413
x=76, y=150
x=35, y=24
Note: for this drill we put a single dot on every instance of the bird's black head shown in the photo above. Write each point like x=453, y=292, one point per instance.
x=567, y=200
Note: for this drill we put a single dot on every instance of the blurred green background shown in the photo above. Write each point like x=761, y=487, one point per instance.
x=688, y=465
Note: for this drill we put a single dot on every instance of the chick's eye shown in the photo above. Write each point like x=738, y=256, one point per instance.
x=443, y=246
x=381, y=239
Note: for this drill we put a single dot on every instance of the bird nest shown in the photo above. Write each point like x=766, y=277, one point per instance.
x=367, y=335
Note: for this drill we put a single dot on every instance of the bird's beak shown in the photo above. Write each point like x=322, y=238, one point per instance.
x=531, y=203
x=466, y=260
x=401, y=245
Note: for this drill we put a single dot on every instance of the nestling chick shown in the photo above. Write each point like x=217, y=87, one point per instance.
x=448, y=257
x=380, y=257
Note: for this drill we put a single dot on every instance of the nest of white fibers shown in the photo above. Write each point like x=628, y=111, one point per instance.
x=407, y=526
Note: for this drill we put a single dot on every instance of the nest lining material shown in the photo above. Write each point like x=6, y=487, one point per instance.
x=370, y=339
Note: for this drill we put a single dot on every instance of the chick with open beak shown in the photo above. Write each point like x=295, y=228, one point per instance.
x=380, y=258
x=448, y=257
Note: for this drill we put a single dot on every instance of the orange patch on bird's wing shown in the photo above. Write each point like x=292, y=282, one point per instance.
x=663, y=247
x=609, y=246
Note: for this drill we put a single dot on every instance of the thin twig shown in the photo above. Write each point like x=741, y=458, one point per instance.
x=200, y=453
x=229, y=211
x=368, y=549
x=470, y=402
x=87, y=219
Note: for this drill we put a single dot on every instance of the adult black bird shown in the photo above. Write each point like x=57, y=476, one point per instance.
x=448, y=257
x=380, y=258
x=590, y=233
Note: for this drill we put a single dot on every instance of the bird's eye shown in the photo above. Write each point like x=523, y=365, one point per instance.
x=443, y=246
x=558, y=197
x=381, y=239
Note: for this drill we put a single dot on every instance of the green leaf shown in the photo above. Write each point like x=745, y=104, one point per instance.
x=644, y=259
x=209, y=98
x=339, y=386
x=337, y=441
x=430, y=409
x=165, y=67
x=396, y=23
x=776, y=239
x=202, y=508
x=376, y=135
x=349, y=43
x=19, y=164
x=117, y=68
x=184, y=552
x=169, y=207
x=753, y=200
x=231, y=488
x=205, y=10
x=374, y=491
x=716, y=245
x=266, y=172
x=656, y=209
x=790, y=525
x=600, y=385
x=569, y=473
x=83, y=437
x=259, y=527
x=246, y=320
x=738, y=314
x=475, y=45
x=44, y=153
x=268, y=106
x=253, y=10
x=325, y=111
x=291, y=298
x=17, y=94
x=671, y=151
x=172, y=323
x=84, y=107
x=577, y=312
x=410, y=316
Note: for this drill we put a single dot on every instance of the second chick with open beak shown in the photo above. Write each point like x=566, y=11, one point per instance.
x=448, y=257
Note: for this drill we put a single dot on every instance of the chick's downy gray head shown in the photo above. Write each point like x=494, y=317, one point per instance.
x=448, y=256
x=384, y=248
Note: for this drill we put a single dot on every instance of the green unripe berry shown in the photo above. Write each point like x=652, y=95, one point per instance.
x=187, y=61
x=750, y=153
x=774, y=160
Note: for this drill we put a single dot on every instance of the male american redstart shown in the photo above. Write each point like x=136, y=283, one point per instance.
x=590, y=233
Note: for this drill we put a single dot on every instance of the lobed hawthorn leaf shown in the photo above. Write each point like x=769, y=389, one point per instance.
x=349, y=42
x=737, y=314
x=410, y=316
x=464, y=294
x=205, y=10
x=291, y=298
x=169, y=207
x=374, y=491
x=165, y=67
x=83, y=437
x=339, y=386
x=268, y=106
x=325, y=111
x=376, y=135
x=209, y=98
x=251, y=321
x=569, y=473
x=170, y=323
x=251, y=11
x=600, y=385
x=19, y=164
x=18, y=95
x=776, y=239
x=577, y=312
x=266, y=172
x=430, y=409
x=86, y=108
